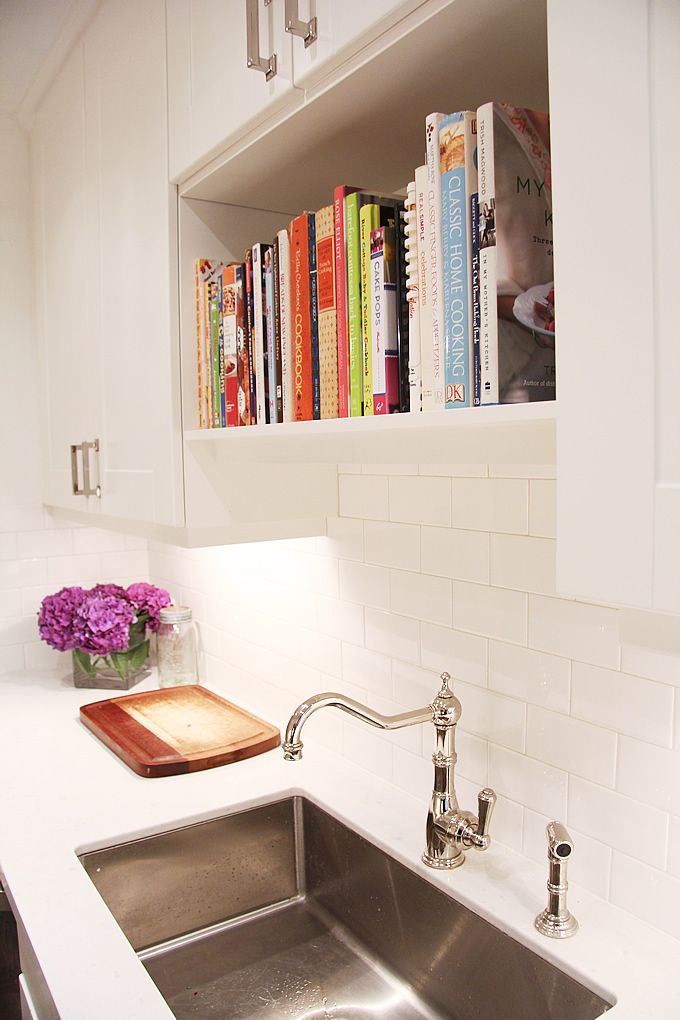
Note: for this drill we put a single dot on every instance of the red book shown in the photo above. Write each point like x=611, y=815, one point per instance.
x=229, y=312
x=301, y=318
x=341, y=191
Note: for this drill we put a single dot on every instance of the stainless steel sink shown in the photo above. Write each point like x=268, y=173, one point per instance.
x=282, y=911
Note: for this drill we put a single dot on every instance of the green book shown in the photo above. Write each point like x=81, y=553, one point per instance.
x=369, y=219
x=356, y=389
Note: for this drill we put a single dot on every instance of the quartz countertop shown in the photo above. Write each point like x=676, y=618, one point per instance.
x=64, y=792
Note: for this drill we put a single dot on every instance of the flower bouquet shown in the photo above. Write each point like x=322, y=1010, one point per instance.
x=106, y=629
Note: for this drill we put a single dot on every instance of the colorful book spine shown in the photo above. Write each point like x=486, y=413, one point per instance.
x=229, y=348
x=474, y=281
x=457, y=158
x=424, y=288
x=250, y=334
x=278, y=371
x=242, y=367
x=204, y=268
x=314, y=318
x=488, y=314
x=384, y=326
x=369, y=220
x=342, y=309
x=214, y=318
x=260, y=334
x=287, y=367
x=356, y=390
x=268, y=260
x=328, y=313
x=433, y=365
x=301, y=318
x=415, y=379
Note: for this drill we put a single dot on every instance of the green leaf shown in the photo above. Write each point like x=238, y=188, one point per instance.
x=84, y=661
x=138, y=655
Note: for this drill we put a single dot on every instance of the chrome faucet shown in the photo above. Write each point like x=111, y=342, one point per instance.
x=449, y=831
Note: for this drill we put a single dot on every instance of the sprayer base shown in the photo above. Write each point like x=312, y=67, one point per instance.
x=556, y=926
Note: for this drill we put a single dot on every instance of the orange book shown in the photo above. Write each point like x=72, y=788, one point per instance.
x=328, y=319
x=301, y=318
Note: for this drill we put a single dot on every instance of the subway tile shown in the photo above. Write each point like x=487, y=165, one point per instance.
x=532, y=676
x=421, y=500
x=455, y=553
x=618, y=821
x=362, y=745
x=345, y=538
x=134, y=564
x=18, y=630
x=522, y=470
x=575, y=630
x=674, y=847
x=392, y=545
x=472, y=754
x=23, y=517
x=392, y=635
x=11, y=658
x=69, y=570
x=627, y=704
x=649, y=774
x=455, y=470
x=22, y=573
x=542, y=507
x=652, y=664
x=8, y=545
x=455, y=652
x=364, y=583
x=421, y=596
x=408, y=738
x=491, y=716
x=531, y=783
x=413, y=686
x=577, y=747
x=507, y=824
x=366, y=669
x=524, y=563
x=647, y=892
x=99, y=540
x=493, y=612
x=491, y=504
x=31, y=544
x=363, y=496
x=339, y=619
x=12, y=604
x=413, y=774
x=38, y=655
x=590, y=864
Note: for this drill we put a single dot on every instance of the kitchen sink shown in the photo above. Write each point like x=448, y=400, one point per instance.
x=283, y=911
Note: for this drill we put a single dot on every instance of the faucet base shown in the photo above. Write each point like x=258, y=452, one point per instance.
x=556, y=926
x=444, y=863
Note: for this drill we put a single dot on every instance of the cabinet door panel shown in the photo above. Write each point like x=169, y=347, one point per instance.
x=213, y=94
x=64, y=221
x=125, y=86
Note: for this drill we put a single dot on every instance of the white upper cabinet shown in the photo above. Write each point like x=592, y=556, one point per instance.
x=213, y=93
x=616, y=154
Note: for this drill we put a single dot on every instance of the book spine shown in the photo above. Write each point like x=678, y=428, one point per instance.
x=250, y=339
x=356, y=396
x=214, y=319
x=386, y=365
x=474, y=282
x=259, y=335
x=369, y=220
x=301, y=318
x=411, y=257
x=314, y=319
x=278, y=380
x=228, y=353
x=270, y=332
x=200, y=385
x=433, y=369
x=457, y=142
x=377, y=311
x=287, y=368
x=326, y=294
x=488, y=310
x=340, y=256
x=242, y=370
x=424, y=288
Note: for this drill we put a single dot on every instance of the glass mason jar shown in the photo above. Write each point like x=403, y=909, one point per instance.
x=177, y=647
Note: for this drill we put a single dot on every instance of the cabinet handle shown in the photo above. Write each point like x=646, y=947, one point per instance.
x=87, y=488
x=77, y=491
x=304, y=29
x=265, y=64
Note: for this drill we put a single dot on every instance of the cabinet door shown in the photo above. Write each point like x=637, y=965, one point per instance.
x=343, y=29
x=617, y=248
x=213, y=94
x=138, y=386
x=65, y=231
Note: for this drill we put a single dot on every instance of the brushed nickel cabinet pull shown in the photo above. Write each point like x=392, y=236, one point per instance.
x=77, y=491
x=305, y=30
x=258, y=63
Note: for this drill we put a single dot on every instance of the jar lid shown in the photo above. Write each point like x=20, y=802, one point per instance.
x=175, y=614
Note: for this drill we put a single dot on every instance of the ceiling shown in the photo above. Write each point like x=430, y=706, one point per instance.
x=29, y=30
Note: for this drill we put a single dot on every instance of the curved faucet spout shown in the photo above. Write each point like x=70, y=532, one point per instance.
x=292, y=745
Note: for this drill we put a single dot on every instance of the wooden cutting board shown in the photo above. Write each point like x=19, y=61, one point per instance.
x=177, y=729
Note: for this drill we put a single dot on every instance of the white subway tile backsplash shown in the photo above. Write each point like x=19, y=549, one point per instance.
x=652, y=664
x=345, y=538
x=674, y=847
x=392, y=545
x=491, y=716
x=364, y=583
x=124, y=564
x=8, y=545
x=38, y=655
x=450, y=552
x=22, y=517
x=413, y=773
x=647, y=892
x=618, y=821
x=84, y=570
x=413, y=686
x=44, y=543
x=524, y=563
x=363, y=496
x=340, y=619
x=421, y=500
x=19, y=630
x=392, y=635
x=649, y=774
x=542, y=507
x=367, y=669
x=420, y=596
x=533, y=676
x=628, y=704
x=22, y=573
x=455, y=652
x=532, y=783
x=491, y=504
x=493, y=612
x=575, y=630
x=577, y=747
x=473, y=756
x=362, y=745
x=11, y=603
x=11, y=658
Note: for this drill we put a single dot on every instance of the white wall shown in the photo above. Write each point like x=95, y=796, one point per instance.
x=453, y=569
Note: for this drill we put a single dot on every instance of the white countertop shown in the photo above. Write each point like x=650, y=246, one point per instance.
x=63, y=791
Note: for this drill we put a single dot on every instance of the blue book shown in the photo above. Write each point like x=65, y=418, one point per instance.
x=457, y=145
x=314, y=310
x=476, y=309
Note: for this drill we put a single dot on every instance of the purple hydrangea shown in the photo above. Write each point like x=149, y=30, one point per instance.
x=149, y=599
x=56, y=618
x=109, y=589
x=102, y=624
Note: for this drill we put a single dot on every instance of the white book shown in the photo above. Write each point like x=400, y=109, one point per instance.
x=287, y=374
x=424, y=288
x=259, y=335
x=433, y=382
x=488, y=310
x=415, y=378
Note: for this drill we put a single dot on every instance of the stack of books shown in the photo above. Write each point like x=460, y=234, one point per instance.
x=375, y=305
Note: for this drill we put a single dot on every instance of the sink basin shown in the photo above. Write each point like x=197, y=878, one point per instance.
x=283, y=911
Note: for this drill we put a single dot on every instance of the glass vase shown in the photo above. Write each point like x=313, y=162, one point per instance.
x=117, y=671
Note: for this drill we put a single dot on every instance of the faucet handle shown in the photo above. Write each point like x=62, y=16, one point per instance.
x=486, y=800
